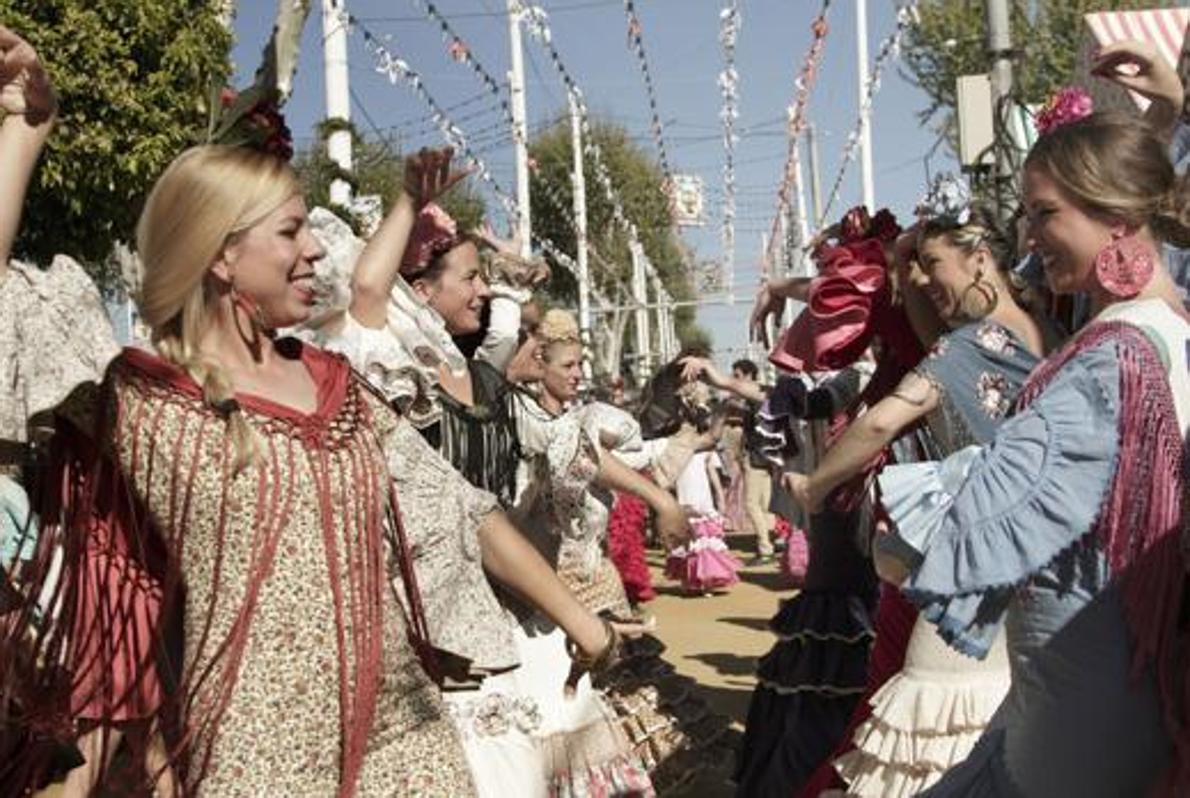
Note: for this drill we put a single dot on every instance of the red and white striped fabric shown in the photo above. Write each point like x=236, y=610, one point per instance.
x=1165, y=28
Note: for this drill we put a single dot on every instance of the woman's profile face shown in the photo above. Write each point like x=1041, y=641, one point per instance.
x=272, y=263
x=944, y=273
x=459, y=292
x=1065, y=236
x=563, y=373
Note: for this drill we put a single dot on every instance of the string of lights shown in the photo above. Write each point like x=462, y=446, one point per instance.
x=397, y=70
x=637, y=43
x=462, y=53
x=890, y=50
x=797, y=125
x=729, y=79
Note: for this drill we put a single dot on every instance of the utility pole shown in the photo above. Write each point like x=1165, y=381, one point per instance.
x=815, y=177
x=865, y=122
x=579, y=184
x=640, y=296
x=663, y=344
x=1000, y=50
x=338, y=95
x=520, y=135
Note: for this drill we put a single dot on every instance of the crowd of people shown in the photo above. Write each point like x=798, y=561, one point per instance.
x=348, y=521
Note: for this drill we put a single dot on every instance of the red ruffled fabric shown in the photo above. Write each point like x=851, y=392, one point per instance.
x=626, y=546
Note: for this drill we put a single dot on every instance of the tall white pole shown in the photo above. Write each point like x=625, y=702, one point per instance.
x=865, y=123
x=338, y=95
x=579, y=184
x=815, y=178
x=640, y=297
x=520, y=133
x=662, y=310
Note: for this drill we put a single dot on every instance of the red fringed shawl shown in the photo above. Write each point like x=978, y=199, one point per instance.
x=1140, y=523
x=112, y=651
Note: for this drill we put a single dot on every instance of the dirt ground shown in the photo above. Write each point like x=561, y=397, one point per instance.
x=716, y=639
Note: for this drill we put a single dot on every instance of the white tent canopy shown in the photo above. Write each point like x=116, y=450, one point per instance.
x=1164, y=28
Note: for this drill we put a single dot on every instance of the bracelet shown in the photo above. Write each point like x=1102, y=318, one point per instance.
x=606, y=656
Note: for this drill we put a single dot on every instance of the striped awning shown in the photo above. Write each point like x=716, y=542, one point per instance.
x=1164, y=28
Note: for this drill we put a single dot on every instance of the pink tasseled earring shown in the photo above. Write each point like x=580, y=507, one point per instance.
x=1124, y=266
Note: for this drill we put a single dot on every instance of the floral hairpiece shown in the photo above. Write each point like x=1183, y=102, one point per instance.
x=253, y=119
x=1067, y=105
x=434, y=233
x=948, y=199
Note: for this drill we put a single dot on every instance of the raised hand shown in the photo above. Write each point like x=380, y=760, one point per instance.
x=25, y=88
x=505, y=246
x=673, y=527
x=768, y=305
x=428, y=175
x=1138, y=66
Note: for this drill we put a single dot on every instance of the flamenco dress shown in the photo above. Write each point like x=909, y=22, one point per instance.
x=1064, y=537
x=813, y=679
x=928, y=716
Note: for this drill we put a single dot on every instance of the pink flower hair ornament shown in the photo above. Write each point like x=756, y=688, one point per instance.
x=434, y=233
x=1069, y=105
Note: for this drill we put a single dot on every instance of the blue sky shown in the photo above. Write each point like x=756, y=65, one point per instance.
x=681, y=40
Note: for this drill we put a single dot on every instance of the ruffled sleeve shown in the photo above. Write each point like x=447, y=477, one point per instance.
x=409, y=383
x=504, y=325
x=54, y=336
x=442, y=513
x=616, y=430
x=1028, y=497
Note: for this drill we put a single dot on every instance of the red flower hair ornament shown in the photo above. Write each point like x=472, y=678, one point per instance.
x=252, y=119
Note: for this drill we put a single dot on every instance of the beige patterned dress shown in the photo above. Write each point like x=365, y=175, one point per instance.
x=296, y=654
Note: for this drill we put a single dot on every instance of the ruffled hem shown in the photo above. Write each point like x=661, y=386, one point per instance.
x=787, y=738
x=670, y=727
x=705, y=568
x=823, y=642
x=823, y=615
x=601, y=777
x=626, y=547
x=918, y=730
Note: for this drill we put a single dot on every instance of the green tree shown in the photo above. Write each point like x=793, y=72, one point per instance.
x=638, y=181
x=951, y=40
x=377, y=170
x=135, y=81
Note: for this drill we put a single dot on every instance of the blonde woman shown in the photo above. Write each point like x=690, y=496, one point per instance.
x=673, y=730
x=236, y=581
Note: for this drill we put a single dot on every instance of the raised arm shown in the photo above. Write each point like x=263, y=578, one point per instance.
x=427, y=176
x=29, y=108
x=865, y=438
x=694, y=368
x=672, y=526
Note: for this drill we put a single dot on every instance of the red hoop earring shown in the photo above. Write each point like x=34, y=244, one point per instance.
x=1124, y=266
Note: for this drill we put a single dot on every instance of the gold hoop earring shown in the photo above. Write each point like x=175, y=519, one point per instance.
x=986, y=298
x=252, y=308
